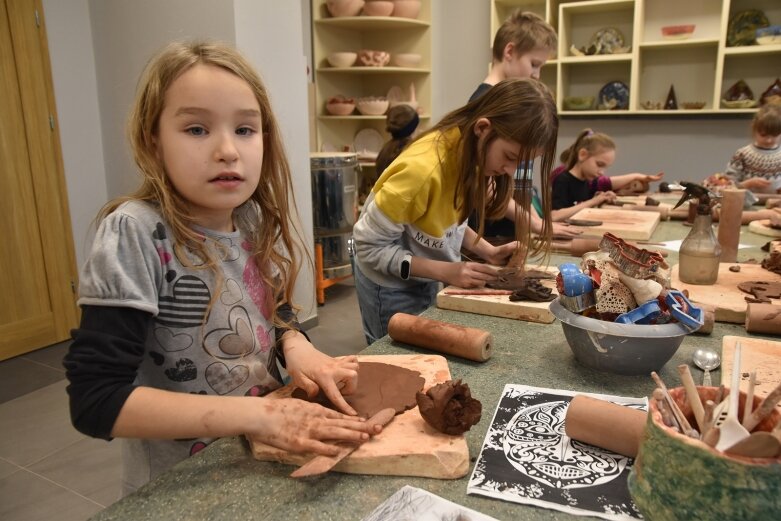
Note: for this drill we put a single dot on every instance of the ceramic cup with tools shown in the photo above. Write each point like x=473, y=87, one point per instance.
x=677, y=477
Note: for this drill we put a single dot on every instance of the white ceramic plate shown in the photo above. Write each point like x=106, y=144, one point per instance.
x=395, y=94
x=367, y=143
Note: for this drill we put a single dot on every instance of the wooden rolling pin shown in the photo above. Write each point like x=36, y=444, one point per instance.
x=763, y=318
x=708, y=318
x=452, y=339
x=605, y=424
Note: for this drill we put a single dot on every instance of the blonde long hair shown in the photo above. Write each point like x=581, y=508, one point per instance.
x=272, y=201
x=521, y=111
x=590, y=141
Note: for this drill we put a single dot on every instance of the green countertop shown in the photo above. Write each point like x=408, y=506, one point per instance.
x=224, y=482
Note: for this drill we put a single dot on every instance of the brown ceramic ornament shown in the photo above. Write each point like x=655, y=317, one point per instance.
x=672, y=102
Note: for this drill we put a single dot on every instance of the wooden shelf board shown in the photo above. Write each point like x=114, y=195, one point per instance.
x=695, y=42
x=374, y=70
x=597, y=58
x=598, y=6
x=752, y=49
x=357, y=117
x=642, y=112
x=373, y=22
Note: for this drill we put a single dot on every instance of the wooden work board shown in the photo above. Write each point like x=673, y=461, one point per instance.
x=626, y=224
x=757, y=354
x=500, y=305
x=407, y=446
x=762, y=227
x=724, y=295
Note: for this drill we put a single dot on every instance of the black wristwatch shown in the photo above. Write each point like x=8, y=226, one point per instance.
x=406, y=267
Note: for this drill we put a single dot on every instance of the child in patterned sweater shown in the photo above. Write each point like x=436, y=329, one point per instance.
x=757, y=167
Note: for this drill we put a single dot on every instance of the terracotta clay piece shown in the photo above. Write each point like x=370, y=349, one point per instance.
x=516, y=278
x=380, y=386
x=532, y=290
x=772, y=262
x=734, y=269
x=449, y=407
x=761, y=291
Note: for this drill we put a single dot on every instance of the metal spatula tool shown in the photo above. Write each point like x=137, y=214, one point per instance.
x=322, y=464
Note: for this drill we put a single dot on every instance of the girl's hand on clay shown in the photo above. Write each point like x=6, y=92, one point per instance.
x=651, y=178
x=313, y=371
x=469, y=274
x=604, y=197
x=499, y=255
x=300, y=426
x=565, y=230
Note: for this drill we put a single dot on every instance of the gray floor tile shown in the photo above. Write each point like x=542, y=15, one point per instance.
x=27, y=497
x=96, y=462
x=50, y=356
x=7, y=468
x=36, y=425
x=19, y=376
x=339, y=331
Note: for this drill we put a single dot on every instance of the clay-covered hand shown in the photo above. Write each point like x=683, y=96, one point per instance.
x=604, y=197
x=312, y=370
x=650, y=178
x=449, y=407
x=565, y=230
x=498, y=255
x=469, y=274
x=300, y=426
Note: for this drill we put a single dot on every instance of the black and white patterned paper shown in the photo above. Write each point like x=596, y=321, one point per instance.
x=527, y=458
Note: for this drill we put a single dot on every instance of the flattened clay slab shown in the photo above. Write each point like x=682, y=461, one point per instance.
x=761, y=290
x=380, y=386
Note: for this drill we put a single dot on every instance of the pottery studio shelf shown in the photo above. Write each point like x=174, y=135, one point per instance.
x=701, y=67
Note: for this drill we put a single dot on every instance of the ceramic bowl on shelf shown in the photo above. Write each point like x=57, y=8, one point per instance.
x=378, y=8
x=769, y=35
x=677, y=32
x=406, y=8
x=739, y=104
x=340, y=106
x=339, y=8
x=341, y=60
x=578, y=102
x=372, y=105
x=406, y=59
x=692, y=105
x=652, y=105
x=370, y=58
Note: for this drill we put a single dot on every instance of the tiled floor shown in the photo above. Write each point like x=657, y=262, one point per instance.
x=50, y=471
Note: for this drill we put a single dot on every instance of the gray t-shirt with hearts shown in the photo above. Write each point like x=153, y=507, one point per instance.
x=134, y=264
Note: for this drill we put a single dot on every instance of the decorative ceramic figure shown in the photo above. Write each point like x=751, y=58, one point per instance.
x=739, y=91
x=772, y=95
x=742, y=28
x=671, y=103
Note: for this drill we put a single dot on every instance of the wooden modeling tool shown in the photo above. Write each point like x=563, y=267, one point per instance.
x=661, y=404
x=759, y=444
x=321, y=464
x=686, y=427
x=692, y=396
x=765, y=408
x=752, y=381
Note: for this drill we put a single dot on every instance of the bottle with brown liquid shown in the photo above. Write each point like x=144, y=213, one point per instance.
x=698, y=260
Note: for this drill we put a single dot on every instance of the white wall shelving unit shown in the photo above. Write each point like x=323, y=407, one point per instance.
x=701, y=68
x=391, y=34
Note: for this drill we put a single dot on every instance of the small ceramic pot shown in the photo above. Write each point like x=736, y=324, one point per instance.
x=406, y=8
x=342, y=59
x=676, y=477
x=406, y=59
x=673, y=32
x=378, y=8
x=373, y=58
x=339, y=8
x=340, y=106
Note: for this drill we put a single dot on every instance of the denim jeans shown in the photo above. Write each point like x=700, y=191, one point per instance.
x=379, y=303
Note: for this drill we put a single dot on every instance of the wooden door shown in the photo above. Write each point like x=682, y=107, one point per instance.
x=37, y=265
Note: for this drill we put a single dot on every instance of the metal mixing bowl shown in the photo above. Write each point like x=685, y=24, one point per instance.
x=628, y=349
